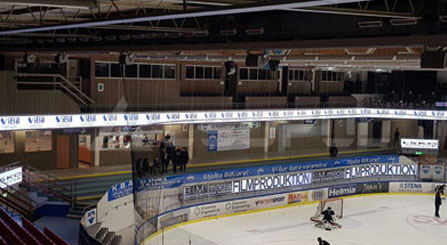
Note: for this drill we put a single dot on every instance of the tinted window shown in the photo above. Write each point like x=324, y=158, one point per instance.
x=131, y=70
x=146, y=71
x=102, y=69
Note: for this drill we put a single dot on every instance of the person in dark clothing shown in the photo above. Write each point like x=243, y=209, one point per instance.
x=164, y=160
x=145, y=167
x=396, y=137
x=333, y=150
x=184, y=158
x=175, y=160
x=322, y=242
x=138, y=167
x=440, y=188
x=327, y=214
x=327, y=217
x=438, y=203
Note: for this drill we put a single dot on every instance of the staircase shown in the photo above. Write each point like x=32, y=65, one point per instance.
x=24, y=232
x=30, y=81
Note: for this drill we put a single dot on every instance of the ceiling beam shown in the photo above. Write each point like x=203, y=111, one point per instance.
x=152, y=28
x=249, y=8
x=356, y=12
x=84, y=4
x=397, y=41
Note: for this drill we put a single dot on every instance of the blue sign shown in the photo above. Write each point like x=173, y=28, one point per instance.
x=120, y=190
x=178, y=180
x=212, y=140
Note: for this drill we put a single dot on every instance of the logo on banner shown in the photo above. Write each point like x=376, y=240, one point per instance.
x=317, y=195
x=36, y=121
x=11, y=177
x=131, y=118
x=410, y=187
x=10, y=122
x=212, y=140
x=153, y=117
x=298, y=197
x=269, y=201
x=342, y=191
x=110, y=118
x=173, y=116
x=91, y=217
x=64, y=120
x=191, y=115
x=87, y=119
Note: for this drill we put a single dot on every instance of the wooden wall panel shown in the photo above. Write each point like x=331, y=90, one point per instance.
x=202, y=87
x=331, y=87
x=257, y=87
x=299, y=88
x=307, y=102
x=115, y=157
x=16, y=102
x=263, y=102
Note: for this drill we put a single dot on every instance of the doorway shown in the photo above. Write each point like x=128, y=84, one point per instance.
x=63, y=151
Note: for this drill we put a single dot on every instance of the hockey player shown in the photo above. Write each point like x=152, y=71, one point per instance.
x=440, y=188
x=438, y=203
x=322, y=242
x=327, y=220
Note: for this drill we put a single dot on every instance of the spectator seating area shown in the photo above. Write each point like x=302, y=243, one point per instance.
x=12, y=232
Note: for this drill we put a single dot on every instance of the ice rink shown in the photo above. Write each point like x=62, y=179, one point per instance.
x=368, y=220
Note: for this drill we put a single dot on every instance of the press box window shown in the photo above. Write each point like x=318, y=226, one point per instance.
x=102, y=69
x=7, y=142
x=38, y=140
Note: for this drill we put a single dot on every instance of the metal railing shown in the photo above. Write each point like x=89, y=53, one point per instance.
x=49, y=184
x=59, y=82
x=15, y=199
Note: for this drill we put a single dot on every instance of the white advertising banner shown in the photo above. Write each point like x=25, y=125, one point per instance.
x=419, y=144
x=413, y=187
x=228, y=140
x=11, y=177
x=206, y=117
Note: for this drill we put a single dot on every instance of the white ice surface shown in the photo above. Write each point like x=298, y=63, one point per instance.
x=372, y=220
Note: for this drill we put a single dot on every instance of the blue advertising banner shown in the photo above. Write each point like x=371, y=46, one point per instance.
x=212, y=140
x=120, y=190
x=178, y=180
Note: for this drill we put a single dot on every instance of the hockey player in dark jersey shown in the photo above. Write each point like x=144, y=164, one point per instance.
x=327, y=220
x=322, y=242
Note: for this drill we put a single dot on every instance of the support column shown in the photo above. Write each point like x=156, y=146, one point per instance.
x=266, y=136
x=190, y=140
x=386, y=132
x=362, y=134
x=97, y=148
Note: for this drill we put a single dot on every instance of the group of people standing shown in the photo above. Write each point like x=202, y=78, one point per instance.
x=168, y=155
x=177, y=157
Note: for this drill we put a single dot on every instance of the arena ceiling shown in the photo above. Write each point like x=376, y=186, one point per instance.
x=181, y=25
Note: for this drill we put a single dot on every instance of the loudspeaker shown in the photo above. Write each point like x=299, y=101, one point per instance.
x=252, y=60
x=434, y=59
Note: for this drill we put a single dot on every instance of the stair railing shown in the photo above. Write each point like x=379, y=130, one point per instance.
x=58, y=79
x=48, y=183
x=13, y=198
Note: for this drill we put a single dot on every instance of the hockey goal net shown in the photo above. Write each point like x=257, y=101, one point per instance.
x=336, y=205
